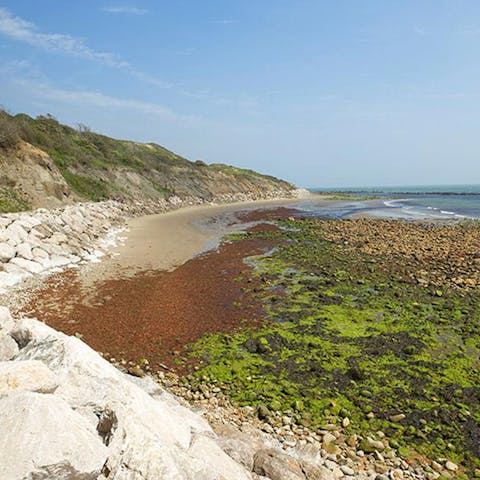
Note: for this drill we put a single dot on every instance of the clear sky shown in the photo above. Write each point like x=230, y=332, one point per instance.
x=320, y=92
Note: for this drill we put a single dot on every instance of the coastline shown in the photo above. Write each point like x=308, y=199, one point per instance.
x=145, y=319
x=147, y=323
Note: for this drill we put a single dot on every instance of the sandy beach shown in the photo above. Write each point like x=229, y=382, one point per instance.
x=167, y=240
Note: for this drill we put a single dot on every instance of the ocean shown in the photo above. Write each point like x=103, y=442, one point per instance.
x=417, y=202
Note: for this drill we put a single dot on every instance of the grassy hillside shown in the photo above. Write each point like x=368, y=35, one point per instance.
x=97, y=167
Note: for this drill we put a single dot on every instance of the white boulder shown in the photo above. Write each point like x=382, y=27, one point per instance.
x=43, y=438
x=6, y=252
x=8, y=347
x=24, y=250
x=16, y=230
x=28, y=265
x=6, y=319
x=29, y=375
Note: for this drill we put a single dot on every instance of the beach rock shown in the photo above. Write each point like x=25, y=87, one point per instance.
x=26, y=375
x=217, y=465
x=238, y=445
x=277, y=466
x=7, y=252
x=6, y=319
x=317, y=472
x=453, y=467
x=24, y=250
x=59, y=260
x=329, y=438
x=43, y=438
x=8, y=347
x=28, y=265
x=15, y=230
x=369, y=445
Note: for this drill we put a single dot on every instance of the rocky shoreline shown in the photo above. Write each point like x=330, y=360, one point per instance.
x=136, y=427
x=66, y=413
x=142, y=426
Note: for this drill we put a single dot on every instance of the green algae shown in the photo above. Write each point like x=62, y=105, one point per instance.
x=349, y=330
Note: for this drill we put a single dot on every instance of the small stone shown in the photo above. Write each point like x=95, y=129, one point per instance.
x=286, y=420
x=347, y=470
x=136, y=371
x=397, y=418
x=345, y=422
x=263, y=412
x=453, y=467
x=369, y=445
x=352, y=441
x=328, y=438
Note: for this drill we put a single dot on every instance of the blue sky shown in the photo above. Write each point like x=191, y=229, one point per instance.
x=322, y=93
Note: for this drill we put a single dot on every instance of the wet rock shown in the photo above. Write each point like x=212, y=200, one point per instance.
x=369, y=445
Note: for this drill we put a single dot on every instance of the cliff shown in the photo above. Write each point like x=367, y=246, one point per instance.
x=46, y=164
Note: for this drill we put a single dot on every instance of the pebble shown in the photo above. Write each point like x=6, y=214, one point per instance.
x=453, y=467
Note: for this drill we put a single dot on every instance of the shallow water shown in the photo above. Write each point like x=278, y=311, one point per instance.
x=421, y=202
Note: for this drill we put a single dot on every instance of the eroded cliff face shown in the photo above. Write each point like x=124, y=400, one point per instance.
x=30, y=178
x=46, y=164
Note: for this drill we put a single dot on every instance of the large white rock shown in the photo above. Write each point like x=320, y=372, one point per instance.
x=41, y=437
x=218, y=465
x=6, y=252
x=59, y=261
x=148, y=438
x=13, y=274
x=39, y=254
x=24, y=250
x=29, y=375
x=6, y=319
x=15, y=229
x=8, y=347
x=28, y=265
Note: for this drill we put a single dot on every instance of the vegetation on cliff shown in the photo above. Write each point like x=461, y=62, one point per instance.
x=96, y=167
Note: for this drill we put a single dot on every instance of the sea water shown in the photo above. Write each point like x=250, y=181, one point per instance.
x=417, y=202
